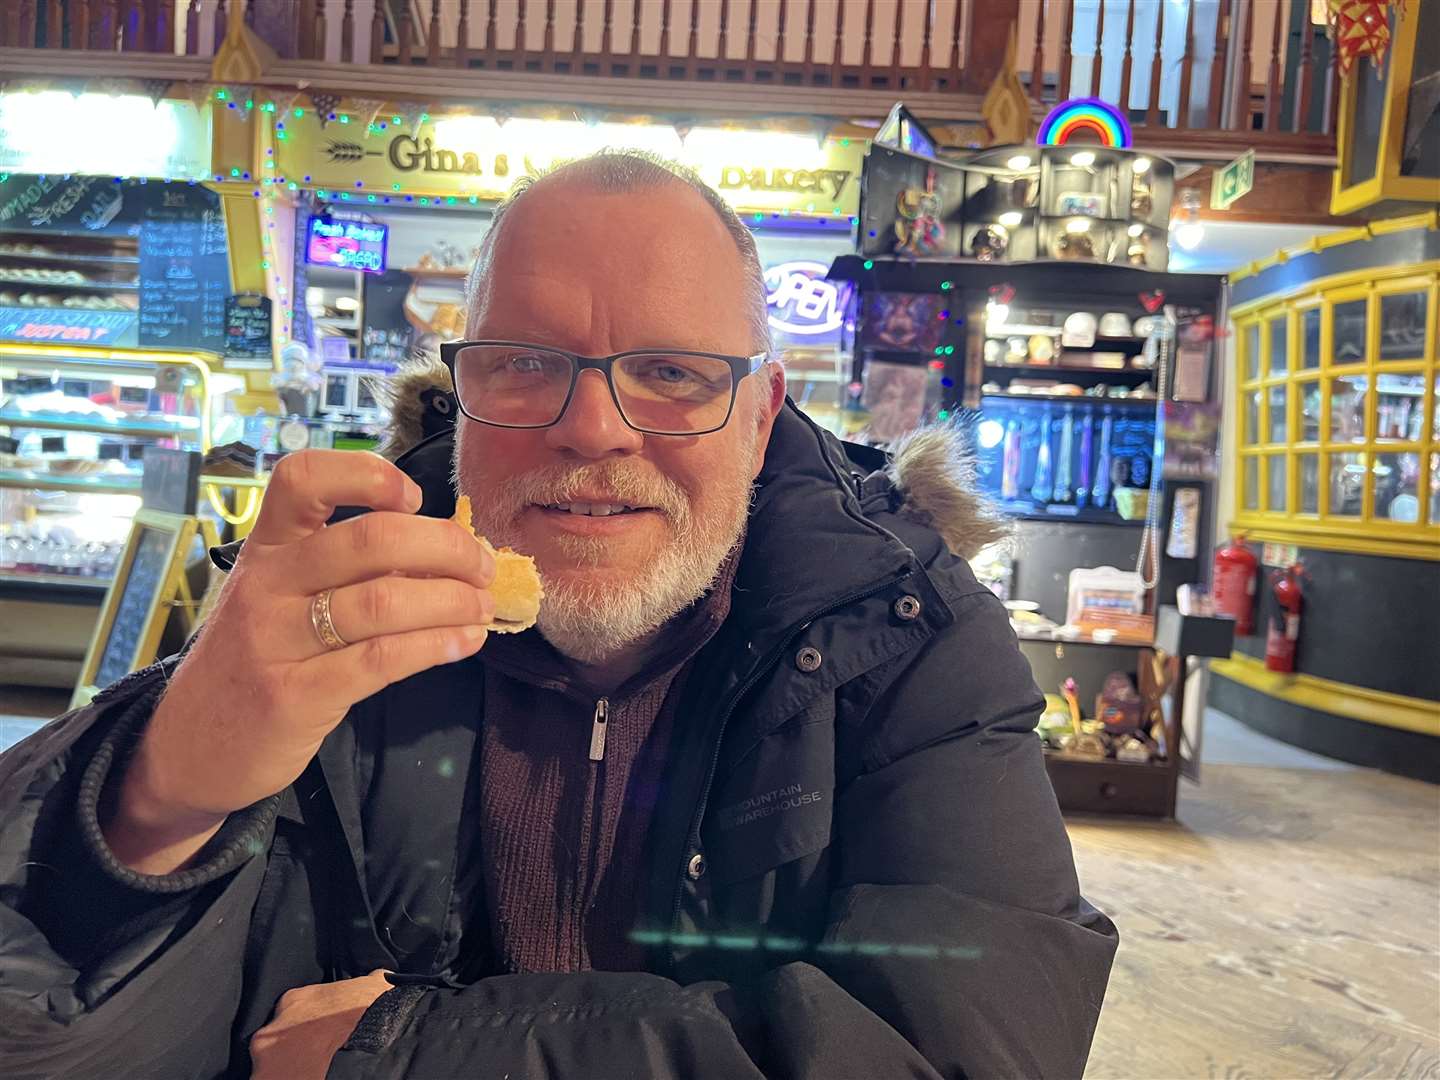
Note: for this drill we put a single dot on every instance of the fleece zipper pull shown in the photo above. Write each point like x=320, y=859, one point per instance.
x=597, y=730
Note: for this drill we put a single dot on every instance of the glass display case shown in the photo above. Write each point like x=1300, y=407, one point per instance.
x=1018, y=203
x=75, y=424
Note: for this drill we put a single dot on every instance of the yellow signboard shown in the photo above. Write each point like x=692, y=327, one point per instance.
x=479, y=158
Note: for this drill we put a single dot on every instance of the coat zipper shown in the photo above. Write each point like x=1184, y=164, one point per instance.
x=597, y=730
x=692, y=838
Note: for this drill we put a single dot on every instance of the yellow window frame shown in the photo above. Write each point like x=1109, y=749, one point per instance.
x=1324, y=527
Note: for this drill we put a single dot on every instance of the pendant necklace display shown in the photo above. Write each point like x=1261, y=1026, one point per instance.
x=1065, y=470
x=1101, y=493
x=1010, y=463
x=1044, y=466
x=1087, y=445
x=918, y=229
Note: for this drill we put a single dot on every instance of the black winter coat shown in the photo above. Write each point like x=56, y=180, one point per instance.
x=857, y=869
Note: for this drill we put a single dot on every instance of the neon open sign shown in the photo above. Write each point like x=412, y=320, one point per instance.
x=800, y=300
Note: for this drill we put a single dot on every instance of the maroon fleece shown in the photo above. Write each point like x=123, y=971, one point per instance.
x=563, y=836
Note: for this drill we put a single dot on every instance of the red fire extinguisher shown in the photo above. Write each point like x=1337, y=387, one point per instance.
x=1284, y=629
x=1233, y=585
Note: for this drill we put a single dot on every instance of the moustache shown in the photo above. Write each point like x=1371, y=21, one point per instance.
x=613, y=481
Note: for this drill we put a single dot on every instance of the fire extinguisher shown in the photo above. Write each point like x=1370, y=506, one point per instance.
x=1284, y=629
x=1233, y=585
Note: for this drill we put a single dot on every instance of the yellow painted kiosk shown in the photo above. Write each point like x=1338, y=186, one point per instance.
x=1336, y=457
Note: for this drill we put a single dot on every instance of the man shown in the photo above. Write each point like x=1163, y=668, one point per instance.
x=760, y=797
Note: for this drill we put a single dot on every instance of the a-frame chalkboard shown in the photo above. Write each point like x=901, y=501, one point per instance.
x=150, y=586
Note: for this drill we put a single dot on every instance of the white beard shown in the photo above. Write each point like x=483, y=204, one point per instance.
x=590, y=620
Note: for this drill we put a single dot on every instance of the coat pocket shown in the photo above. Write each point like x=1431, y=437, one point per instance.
x=775, y=804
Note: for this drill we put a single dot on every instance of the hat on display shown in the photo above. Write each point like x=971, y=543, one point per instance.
x=1114, y=324
x=1078, y=331
x=1147, y=325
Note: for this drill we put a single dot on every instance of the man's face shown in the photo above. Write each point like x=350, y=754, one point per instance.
x=599, y=273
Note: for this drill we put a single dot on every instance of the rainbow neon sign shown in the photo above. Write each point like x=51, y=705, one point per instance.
x=1085, y=114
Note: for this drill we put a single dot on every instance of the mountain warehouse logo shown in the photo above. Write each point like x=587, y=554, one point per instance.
x=790, y=797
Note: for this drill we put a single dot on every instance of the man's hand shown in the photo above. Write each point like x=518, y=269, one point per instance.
x=258, y=692
x=310, y=1025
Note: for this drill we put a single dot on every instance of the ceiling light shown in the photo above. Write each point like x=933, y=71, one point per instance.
x=1189, y=235
x=1011, y=218
x=1137, y=229
x=346, y=303
x=1083, y=159
x=1019, y=161
x=1141, y=165
x=1077, y=225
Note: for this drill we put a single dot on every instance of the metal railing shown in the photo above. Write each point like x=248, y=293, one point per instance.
x=1248, y=70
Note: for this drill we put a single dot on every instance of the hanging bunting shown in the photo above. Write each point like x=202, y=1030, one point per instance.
x=365, y=111
x=111, y=86
x=1362, y=28
x=200, y=93
x=284, y=100
x=683, y=126
x=240, y=102
x=325, y=105
x=156, y=89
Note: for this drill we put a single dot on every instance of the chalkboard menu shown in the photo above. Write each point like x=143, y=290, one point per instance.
x=301, y=327
x=184, y=272
x=140, y=589
x=171, y=480
x=247, y=327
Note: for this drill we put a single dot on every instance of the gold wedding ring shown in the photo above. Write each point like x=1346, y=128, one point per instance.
x=320, y=619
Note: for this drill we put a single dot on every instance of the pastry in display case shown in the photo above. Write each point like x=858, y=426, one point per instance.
x=75, y=425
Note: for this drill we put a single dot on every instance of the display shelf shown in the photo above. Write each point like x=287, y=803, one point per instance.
x=72, y=257
x=1103, y=343
x=1140, y=374
x=1107, y=786
x=93, y=484
x=73, y=286
x=1120, y=641
x=1106, y=763
x=167, y=427
x=100, y=370
x=53, y=581
x=1082, y=517
x=1073, y=399
x=1082, y=376
x=1004, y=330
x=1126, y=344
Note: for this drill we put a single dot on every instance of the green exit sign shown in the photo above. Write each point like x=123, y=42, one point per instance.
x=1233, y=181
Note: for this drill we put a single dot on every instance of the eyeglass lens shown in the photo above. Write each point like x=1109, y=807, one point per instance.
x=658, y=392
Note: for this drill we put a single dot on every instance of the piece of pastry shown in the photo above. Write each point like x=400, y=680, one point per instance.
x=516, y=589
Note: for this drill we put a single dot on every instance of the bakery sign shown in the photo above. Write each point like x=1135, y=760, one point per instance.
x=478, y=158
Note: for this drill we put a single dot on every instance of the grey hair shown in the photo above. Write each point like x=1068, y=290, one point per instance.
x=622, y=171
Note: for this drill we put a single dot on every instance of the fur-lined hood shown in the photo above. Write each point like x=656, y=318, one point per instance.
x=931, y=468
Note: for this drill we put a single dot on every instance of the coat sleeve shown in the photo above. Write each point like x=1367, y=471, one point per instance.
x=957, y=945
x=99, y=964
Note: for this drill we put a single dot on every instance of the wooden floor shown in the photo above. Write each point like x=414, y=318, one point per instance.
x=1287, y=926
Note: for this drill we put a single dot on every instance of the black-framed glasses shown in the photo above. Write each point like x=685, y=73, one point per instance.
x=513, y=384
